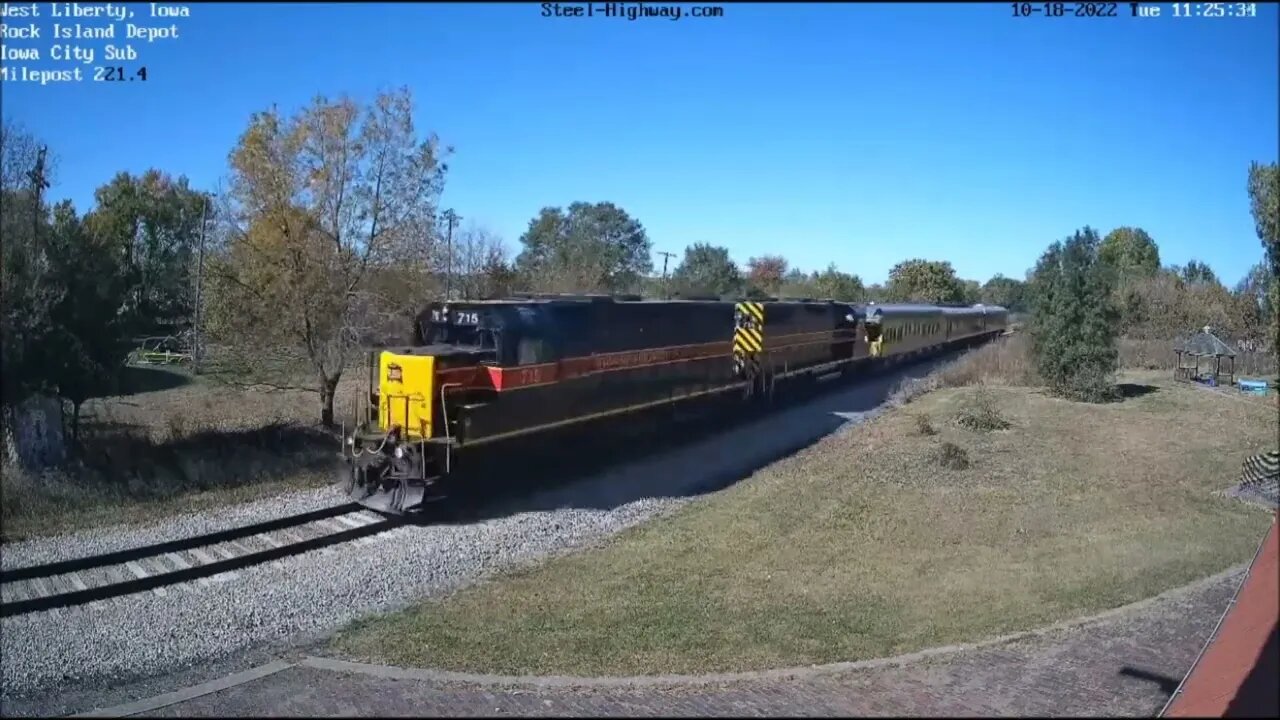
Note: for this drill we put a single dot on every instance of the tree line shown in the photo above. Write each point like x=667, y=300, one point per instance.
x=78, y=287
x=328, y=235
x=707, y=270
x=1087, y=291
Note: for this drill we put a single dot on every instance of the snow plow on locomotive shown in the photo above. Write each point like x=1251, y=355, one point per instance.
x=483, y=373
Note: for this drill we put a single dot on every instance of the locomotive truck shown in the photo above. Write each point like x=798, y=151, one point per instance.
x=480, y=374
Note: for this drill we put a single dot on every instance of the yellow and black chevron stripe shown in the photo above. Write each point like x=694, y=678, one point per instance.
x=752, y=310
x=748, y=337
x=748, y=332
x=748, y=341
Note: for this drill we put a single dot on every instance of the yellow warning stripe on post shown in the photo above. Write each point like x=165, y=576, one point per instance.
x=754, y=309
x=747, y=340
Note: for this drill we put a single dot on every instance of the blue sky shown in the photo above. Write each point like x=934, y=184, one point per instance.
x=858, y=134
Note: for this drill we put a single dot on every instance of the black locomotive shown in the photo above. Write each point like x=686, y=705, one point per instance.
x=481, y=373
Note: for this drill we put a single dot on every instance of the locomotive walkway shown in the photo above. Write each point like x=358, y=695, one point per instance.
x=1124, y=662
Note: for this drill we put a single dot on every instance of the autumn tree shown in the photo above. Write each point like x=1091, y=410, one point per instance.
x=1253, y=297
x=1130, y=253
x=1073, y=320
x=796, y=284
x=706, y=270
x=765, y=273
x=584, y=248
x=317, y=200
x=925, y=281
x=1165, y=306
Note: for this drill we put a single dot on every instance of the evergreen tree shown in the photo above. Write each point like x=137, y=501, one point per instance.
x=87, y=341
x=1073, y=321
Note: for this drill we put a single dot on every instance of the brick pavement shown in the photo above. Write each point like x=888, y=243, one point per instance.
x=1125, y=664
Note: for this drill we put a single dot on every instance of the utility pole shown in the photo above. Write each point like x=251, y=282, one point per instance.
x=450, y=218
x=665, y=257
x=204, y=221
x=39, y=183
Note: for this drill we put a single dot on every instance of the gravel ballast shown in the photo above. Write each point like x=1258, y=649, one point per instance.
x=41, y=550
x=310, y=595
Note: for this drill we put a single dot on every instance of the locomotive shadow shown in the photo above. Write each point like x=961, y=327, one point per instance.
x=704, y=457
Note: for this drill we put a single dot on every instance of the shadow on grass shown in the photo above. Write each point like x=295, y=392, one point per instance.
x=642, y=458
x=94, y=426
x=203, y=460
x=1128, y=391
x=121, y=467
x=135, y=379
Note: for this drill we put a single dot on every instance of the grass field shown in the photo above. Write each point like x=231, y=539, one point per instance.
x=871, y=543
x=172, y=443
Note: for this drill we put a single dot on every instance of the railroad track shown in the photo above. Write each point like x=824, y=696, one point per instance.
x=204, y=559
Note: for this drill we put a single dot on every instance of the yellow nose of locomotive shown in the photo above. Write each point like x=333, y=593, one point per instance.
x=405, y=385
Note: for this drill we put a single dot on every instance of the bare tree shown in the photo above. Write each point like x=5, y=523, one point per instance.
x=317, y=203
x=479, y=260
x=19, y=154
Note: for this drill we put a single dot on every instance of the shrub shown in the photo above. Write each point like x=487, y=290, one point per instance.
x=178, y=428
x=979, y=413
x=952, y=456
x=1090, y=384
x=923, y=426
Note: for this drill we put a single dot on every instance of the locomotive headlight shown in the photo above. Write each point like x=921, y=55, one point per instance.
x=351, y=440
x=399, y=451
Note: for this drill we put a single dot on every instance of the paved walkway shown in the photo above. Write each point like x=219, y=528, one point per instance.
x=1127, y=662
